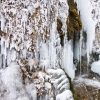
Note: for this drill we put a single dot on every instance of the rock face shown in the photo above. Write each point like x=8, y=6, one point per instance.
x=32, y=50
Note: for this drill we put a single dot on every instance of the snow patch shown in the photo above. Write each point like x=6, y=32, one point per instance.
x=95, y=67
x=88, y=82
x=66, y=95
x=12, y=83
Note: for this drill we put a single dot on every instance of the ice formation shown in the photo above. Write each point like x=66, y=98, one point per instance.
x=85, y=10
x=67, y=59
x=31, y=54
x=96, y=46
x=29, y=46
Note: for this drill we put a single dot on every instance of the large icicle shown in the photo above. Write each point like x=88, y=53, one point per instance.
x=44, y=55
x=2, y=20
x=52, y=46
x=67, y=59
x=85, y=9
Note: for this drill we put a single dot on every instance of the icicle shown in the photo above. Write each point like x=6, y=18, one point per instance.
x=8, y=57
x=5, y=51
x=2, y=45
x=80, y=50
x=67, y=59
x=44, y=58
x=13, y=55
x=4, y=61
x=0, y=55
x=88, y=23
x=2, y=20
x=52, y=47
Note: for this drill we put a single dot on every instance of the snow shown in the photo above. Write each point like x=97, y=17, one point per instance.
x=32, y=62
x=12, y=83
x=63, y=13
x=53, y=71
x=88, y=23
x=16, y=90
x=66, y=95
x=48, y=85
x=61, y=83
x=87, y=81
x=95, y=67
x=59, y=78
x=32, y=93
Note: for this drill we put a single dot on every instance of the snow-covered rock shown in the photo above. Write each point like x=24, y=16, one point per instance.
x=95, y=67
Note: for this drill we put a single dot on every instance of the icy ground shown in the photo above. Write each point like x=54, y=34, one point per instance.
x=88, y=82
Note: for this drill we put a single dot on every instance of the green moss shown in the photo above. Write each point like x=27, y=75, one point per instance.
x=74, y=24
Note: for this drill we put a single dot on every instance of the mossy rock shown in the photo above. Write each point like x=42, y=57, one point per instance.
x=74, y=24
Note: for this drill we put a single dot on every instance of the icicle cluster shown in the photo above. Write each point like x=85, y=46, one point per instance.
x=27, y=26
x=28, y=32
x=88, y=23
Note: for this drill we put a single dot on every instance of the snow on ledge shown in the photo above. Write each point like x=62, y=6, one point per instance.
x=95, y=67
x=88, y=82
